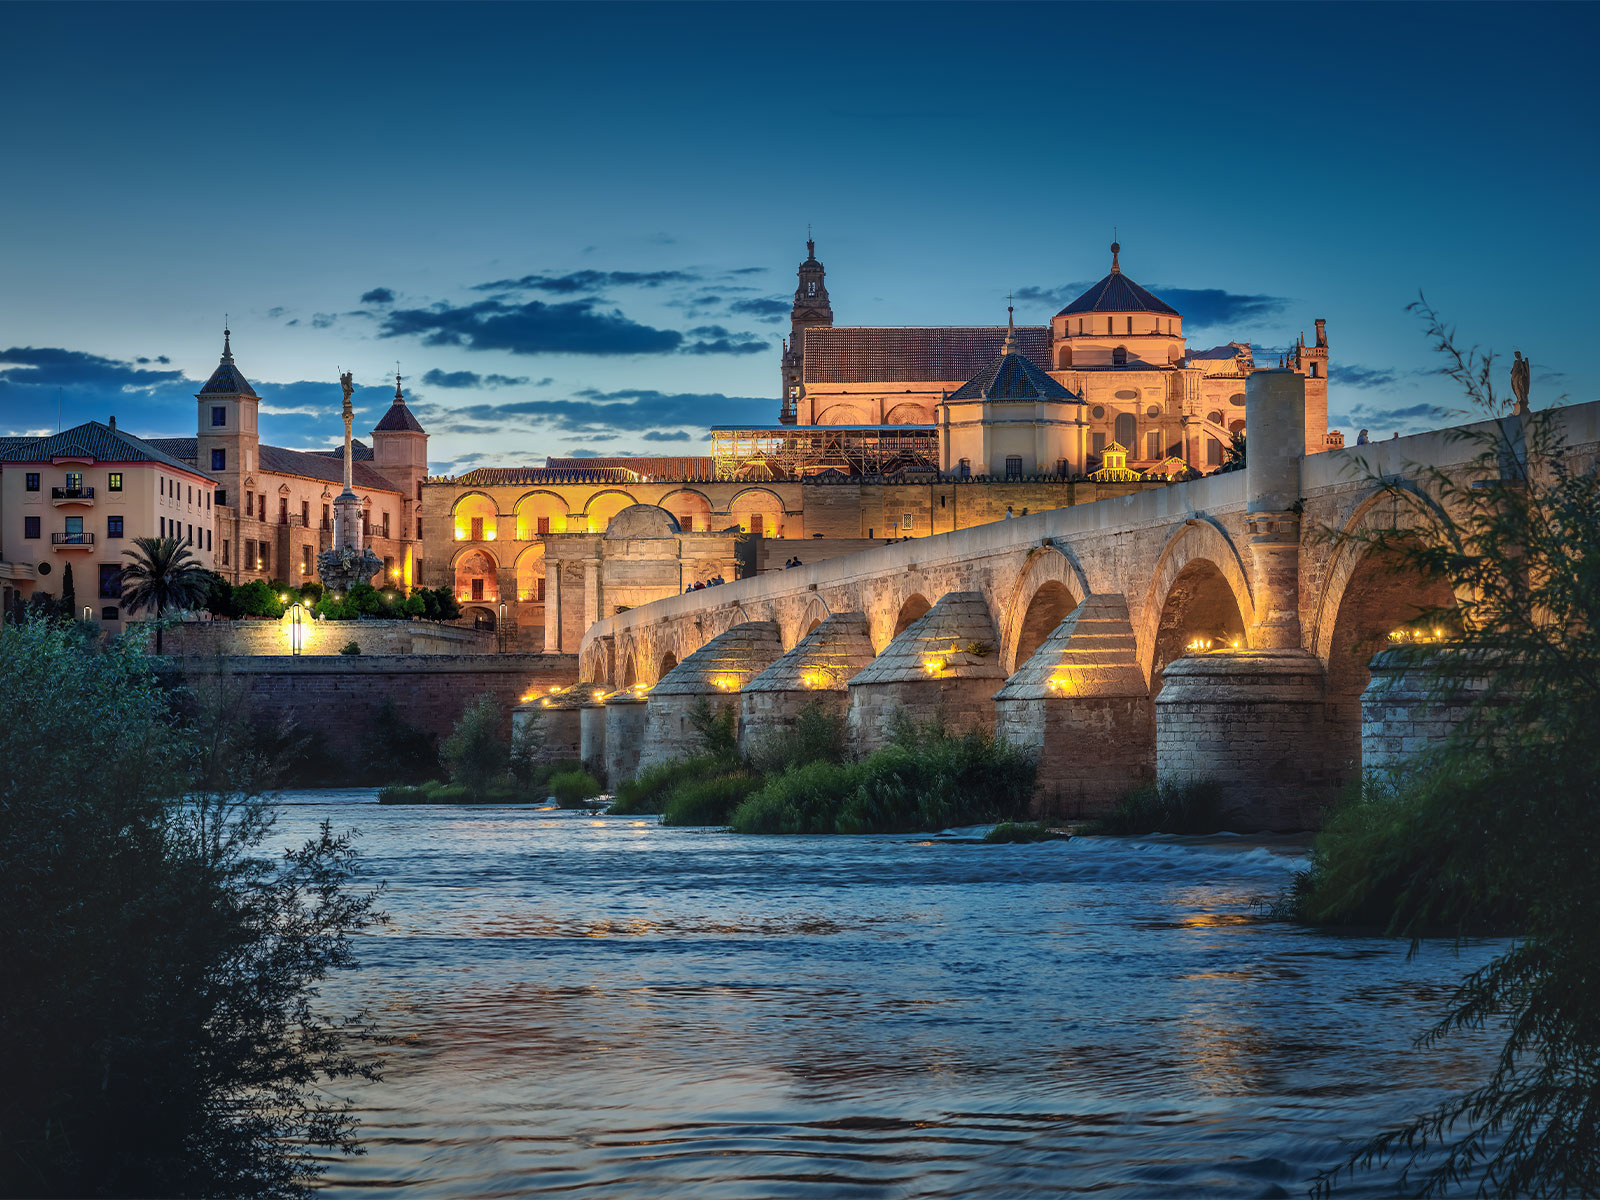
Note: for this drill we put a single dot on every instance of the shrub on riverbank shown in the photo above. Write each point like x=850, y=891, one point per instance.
x=1165, y=808
x=572, y=787
x=647, y=792
x=709, y=801
x=927, y=780
x=1023, y=832
x=535, y=786
x=816, y=736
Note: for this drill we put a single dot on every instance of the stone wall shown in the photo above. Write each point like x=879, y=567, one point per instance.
x=338, y=697
x=625, y=720
x=271, y=637
x=1403, y=714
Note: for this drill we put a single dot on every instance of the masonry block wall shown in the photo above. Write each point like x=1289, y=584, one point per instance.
x=1403, y=714
x=271, y=637
x=557, y=728
x=1092, y=750
x=338, y=697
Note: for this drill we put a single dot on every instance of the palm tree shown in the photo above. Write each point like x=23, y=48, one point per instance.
x=163, y=575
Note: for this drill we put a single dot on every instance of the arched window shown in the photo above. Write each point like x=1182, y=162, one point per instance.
x=811, y=287
x=1313, y=370
x=1119, y=357
x=1127, y=430
x=1064, y=359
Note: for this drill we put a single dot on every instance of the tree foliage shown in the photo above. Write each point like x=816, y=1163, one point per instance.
x=475, y=754
x=162, y=576
x=1498, y=827
x=159, y=1024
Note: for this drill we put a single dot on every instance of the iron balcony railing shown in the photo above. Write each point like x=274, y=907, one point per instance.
x=77, y=493
x=72, y=539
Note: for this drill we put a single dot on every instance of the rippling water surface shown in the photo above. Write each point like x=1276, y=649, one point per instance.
x=602, y=1007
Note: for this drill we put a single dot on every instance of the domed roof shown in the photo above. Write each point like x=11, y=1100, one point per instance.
x=1012, y=376
x=398, y=419
x=1116, y=293
x=227, y=379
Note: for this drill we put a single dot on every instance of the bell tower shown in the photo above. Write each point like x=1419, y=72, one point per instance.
x=810, y=308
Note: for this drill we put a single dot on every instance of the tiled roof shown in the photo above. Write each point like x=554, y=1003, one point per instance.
x=941, y=636
x=90, y=440
x=188, y=449
x=510, y=476
x=835, y=354
x=1012, y=377
x=1116, y=293
x=725, y=663
x=275, y=460
x=227, y=380
x=359, y=451
x=398, y=418
x=680, y=466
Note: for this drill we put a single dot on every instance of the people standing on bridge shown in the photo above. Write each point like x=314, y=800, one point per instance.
x=1009, y=513
x=1361, y=438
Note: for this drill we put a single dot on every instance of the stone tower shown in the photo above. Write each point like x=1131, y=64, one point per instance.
x=400, y=455
x=228, y=440
x=1312, y=362
x=810, y=308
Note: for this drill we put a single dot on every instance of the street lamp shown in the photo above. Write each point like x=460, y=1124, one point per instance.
x=501, y=627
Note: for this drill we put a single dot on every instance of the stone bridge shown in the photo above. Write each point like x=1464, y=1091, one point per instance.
x=1211, y=629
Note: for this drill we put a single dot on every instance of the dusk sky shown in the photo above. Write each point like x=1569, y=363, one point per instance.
x=577, y=228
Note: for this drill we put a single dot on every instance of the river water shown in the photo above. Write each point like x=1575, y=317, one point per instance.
x=601, y=1007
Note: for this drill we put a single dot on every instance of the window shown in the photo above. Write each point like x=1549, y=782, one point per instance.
x=419, y=529
x=965, y=468
x=32, y=481
x=1080, y=326
x=163, y=485
x=538, y=589
x=161, y=526
x=477, y=529
x=208, y=539
x=1130, y=324
x=114, y=481
x=109, y=613
x=75, y=528
x=1213, y=452
x=219, y=460
x=324, y=516
x=74, y=481
x=1313, y=370
x=811, y=287
x=222, y=497
x=305, y=513
x=30, y=527
x=191, y=535
x=477, y=589
x=283, y=510
x=907, y=522
x=1119, y=357
x=208, y=501
x=1152, y=445
x=1013, y=466
x=305, y=560
x=366, y=524
x=113, y=527
x=219, y=416
x=1097, y=443
x=225, y=549
x=385, y=524
x=110, y=581
x=544, y=526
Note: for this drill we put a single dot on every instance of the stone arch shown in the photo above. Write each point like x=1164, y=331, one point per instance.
x=474, y=511
x=532, y=507
x=599, y=508
x=1063, y=357
x=476, y=576
x=479, y=616
x=692, y=509
x=842, y=414
x=592, y=663
x=909, y=414
x=1211, y=560
x=630, y=671
x=1048, y=565
x=911, y=609
x=530, y=574
x=815, y=612
x=758, y=504
x=667, y=662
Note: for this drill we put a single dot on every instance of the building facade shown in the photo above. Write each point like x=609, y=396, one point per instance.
x=81, y=497
x=274, y=506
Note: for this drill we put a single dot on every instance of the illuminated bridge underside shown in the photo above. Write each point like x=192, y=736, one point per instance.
x=789, y=452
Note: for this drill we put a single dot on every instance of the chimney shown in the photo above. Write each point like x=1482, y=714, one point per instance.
x=113, y=422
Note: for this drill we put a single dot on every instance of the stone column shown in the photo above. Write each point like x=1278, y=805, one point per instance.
x=1275, y=413
x=591, y=591
x=552, y=607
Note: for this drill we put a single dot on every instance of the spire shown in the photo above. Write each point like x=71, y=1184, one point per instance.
x=399, y=397
x=1010, y=346
x=811, y=245
x=1116, y=249
x=227, y=350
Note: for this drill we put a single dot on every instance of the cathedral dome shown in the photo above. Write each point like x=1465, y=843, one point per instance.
x=1116, y=293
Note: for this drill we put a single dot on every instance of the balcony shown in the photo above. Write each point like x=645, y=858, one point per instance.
x=72, y=541
x=77, y=495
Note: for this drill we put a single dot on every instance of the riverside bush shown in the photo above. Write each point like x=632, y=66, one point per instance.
x=646, y=793
x=1024, y=832
x=571, y=788
x=1194, y=807
x=816, y=736
x=927, y=780
x=708, y=801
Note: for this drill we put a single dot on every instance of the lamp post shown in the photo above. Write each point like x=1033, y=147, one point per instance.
x=500, y=627
x=86, y=612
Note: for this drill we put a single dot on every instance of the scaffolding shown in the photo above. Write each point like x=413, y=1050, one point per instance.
x=796, y=451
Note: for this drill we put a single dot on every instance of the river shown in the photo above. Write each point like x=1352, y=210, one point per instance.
x=601, y=1007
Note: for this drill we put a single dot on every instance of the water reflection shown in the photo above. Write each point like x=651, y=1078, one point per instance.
x=614, y=1009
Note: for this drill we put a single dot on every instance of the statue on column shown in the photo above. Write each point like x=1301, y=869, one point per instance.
x=348, y=562
x=1519, y=383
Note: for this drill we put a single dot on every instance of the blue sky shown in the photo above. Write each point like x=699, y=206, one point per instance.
x=576, y=228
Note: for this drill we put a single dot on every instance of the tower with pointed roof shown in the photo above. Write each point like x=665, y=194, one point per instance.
x=228, y=441
x=810, y=308
x=400, y=454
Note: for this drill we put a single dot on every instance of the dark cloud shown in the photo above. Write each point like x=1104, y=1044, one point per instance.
x=45, y=366
x=1408, y=419
x=677, y=435
x=575, y=282
x=762, y=308
x=572, y=327
x=323, y=320
x=296, y=321
x=747, y=270
x=378, y=295
x=595, y=412
x=1201, y=308
x=160, y=358
x=470, y=379
x=1353, y=375
x=276, y=312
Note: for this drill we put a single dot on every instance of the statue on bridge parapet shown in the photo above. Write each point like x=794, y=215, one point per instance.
x=1519, y=383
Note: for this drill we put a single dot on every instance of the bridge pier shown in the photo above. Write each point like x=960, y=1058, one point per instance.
x=944, y=667
x=625, y=714
x=716, y=673
x=1082, y=704
x=592, y=730
x=817, y=671
x=556, y=717
x=1251, y=721
x=1404, y=713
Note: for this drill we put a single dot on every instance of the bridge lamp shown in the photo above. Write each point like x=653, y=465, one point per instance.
x=599, y=696
x=933, y=665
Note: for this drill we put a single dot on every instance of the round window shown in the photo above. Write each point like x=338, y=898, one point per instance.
x=1098, y=414
x=1215, y=416
x=43, y=568
x=1153, y=411
x=1127, y=394
x=1237, y=399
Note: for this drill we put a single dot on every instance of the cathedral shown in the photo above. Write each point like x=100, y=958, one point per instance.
x=1111, y=369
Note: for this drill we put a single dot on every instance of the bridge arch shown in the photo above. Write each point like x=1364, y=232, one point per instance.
x=667, y=661
x=911, y=609
x=1199, y=588
x=593, y=664
x=630, y=670
x=1053, y=577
